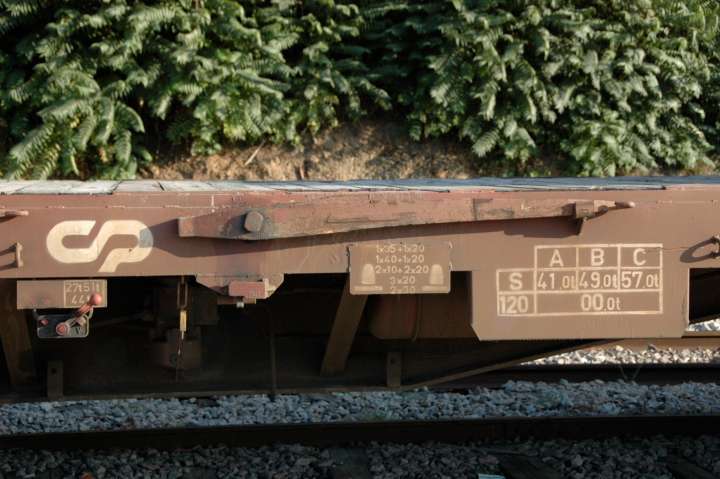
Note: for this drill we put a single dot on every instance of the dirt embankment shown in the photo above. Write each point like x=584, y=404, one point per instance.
x=370, y=149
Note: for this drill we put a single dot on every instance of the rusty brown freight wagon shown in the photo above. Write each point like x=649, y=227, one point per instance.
x=138, y=287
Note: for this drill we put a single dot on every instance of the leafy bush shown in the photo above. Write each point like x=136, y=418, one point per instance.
x=287, y=68
x=700, y=20
x=64, y=94
x=82, y=79
x=614, y=86
x=403, y=36
x=89, y=87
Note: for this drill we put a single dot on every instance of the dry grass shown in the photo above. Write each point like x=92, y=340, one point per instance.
x=370, y=149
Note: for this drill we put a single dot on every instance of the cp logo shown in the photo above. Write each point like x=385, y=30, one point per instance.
x=110, y=228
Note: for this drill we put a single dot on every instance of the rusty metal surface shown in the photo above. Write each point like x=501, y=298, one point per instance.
x=134, y=232
x=344, y=328
x=564, y=263
x=415, y=316
x=291, y=217
x=15, y=340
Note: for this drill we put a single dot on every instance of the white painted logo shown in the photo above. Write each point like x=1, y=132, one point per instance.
x=110, y=228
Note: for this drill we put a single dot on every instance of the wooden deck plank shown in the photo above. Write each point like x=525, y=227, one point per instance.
x=439, y=185
x=138, y=186
x=239, y=186
x=186, y=186
x=10, y=187
x=94, y=188
x=48, y=187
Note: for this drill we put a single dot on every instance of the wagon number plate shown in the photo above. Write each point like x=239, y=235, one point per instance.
x=58, y=293
x=77, y=292
x=400, y=268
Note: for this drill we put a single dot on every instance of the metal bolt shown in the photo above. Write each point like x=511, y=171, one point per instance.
x=254, y=221
x=62, y=329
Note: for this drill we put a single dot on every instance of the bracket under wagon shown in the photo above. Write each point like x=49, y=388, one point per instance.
x=81, y=295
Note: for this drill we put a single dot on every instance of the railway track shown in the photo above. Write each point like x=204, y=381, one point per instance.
x=660, y=374
x=656, y=374
x=490, y=430
x=691, y=340
x=650, y=373
x=406, y=431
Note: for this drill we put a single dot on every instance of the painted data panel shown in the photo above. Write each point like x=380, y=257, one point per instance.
x=582, y=280
x=400, y=268
x=610, y=281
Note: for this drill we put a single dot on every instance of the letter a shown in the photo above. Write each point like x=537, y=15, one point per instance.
x=556, y=259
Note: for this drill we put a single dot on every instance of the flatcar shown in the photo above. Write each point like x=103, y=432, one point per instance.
x=114, y=288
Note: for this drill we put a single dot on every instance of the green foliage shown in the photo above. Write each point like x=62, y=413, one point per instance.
x=601, y=87
x=81, y=79
x=404, y=35
x=65, y=102
x=609, y=86
x=700, y=22
x=264, y=71
x=330, y=70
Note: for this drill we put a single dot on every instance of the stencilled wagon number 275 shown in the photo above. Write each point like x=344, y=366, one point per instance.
x=81, y=286
x=76, y=292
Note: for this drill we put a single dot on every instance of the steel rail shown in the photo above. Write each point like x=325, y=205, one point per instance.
x=335, y=433
x=691, y=340
x=652, y=373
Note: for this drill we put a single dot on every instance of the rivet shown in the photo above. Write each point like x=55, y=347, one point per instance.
x=254, y=221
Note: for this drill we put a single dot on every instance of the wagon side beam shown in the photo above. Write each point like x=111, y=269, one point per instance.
x=354, y=213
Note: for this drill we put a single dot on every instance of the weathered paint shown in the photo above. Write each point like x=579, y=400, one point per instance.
x=311, y=230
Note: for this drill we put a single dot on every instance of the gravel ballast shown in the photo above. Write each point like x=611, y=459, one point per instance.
x=601, y=459
x=711, y=325
x=621, y=355
x=624, y=458
x=591, y=459
x=610, y=458
x=513, y=399
x=650, y=355
x=276, y=462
